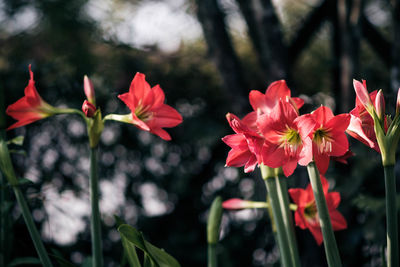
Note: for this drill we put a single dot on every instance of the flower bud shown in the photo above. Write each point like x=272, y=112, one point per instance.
x=89, y=90
x=362, y=95
x=239, y=204
x=88, y=108
x=234, y=204
x=380, y=104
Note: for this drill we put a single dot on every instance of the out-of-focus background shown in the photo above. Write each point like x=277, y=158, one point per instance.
x=206, y=55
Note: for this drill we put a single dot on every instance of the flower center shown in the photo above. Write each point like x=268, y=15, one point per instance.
x=323, y=140
x=290, y=141
x=310, y=211
x=142, y=113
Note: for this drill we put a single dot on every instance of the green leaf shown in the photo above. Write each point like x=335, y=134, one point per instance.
x=19, y=140
x=214, y=221
x=25, y=261
x=147, y=261
x=130, y=253
x=158, y=256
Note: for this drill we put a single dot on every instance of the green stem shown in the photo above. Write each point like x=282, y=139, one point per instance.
x=8, y=171
x=391, y=217
x=95, y=226
x=331, y=250
x=273, y=200
x=44, y=258
x=212, y=255
x=287, y=219
x=3, y=222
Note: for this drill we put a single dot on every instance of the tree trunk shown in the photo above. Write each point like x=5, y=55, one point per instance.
x=221, y=51
x=395, y=66
x=346, y=45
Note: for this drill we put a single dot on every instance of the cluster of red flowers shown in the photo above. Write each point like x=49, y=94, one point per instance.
x=275, y=134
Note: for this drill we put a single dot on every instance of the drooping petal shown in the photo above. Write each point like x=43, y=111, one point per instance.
x=289, y=167
x=333, y=200
x=166, y=116
x=338, y=221
x=273, y=156
x=238, y=158
x=317, y=234
x=322, y=161
x=163, y=134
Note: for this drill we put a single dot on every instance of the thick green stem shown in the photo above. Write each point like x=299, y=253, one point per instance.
x=273, y=200
x=391, y=218
x=331, y=250
x=287, y=219
x=44, y=258
x=95, y=226
x=212, y=255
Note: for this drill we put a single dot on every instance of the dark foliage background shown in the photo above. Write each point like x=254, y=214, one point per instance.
x=165, y=188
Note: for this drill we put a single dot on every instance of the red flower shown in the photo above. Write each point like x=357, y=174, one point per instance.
x=306, y=215
x=149, y=112
x=245, y=144
x=361, y=125
x=30, y=108
x=329, y=138
x=287, y=140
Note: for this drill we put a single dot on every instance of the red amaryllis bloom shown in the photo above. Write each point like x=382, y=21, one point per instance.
x=287, y=140
x=149, y=112
x=306, y=215
x=245, y=144
x=361, y=125
x=30, y=108
x=329, y=138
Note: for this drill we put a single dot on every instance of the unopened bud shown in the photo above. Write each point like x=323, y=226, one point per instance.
x=362, y=95
x=239, y=204
x=89, y=90
x=380, y=104
x=88, y=108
